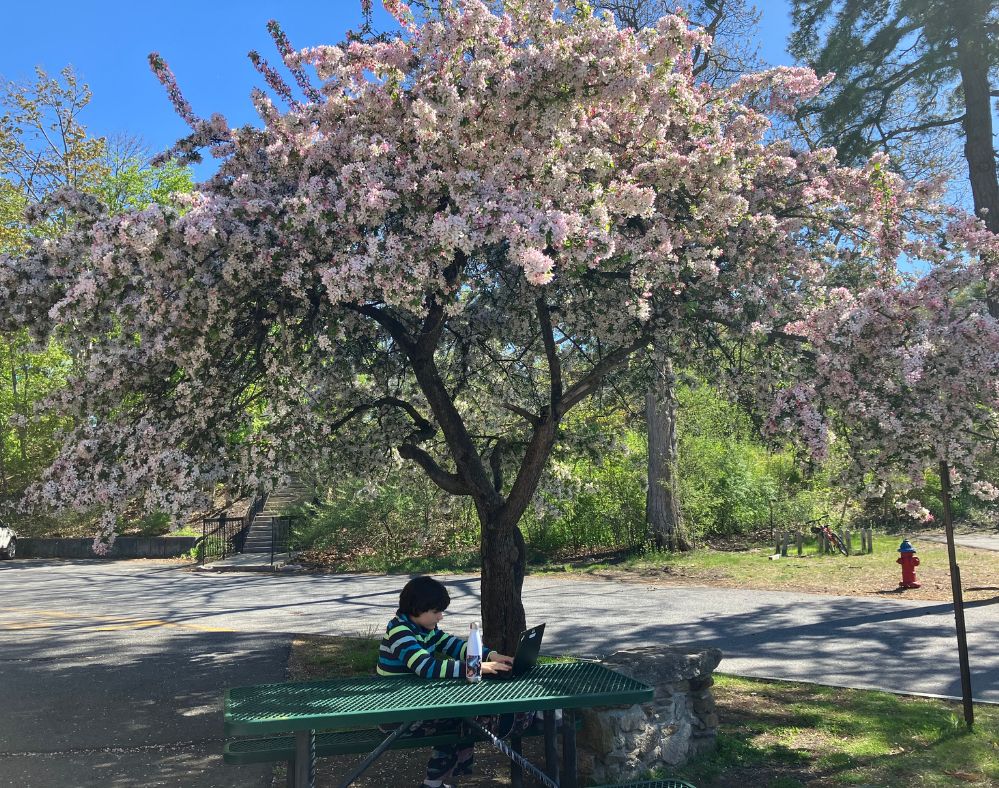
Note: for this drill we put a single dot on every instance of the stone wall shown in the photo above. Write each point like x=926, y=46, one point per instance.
x=626, y=742
x=123, y=547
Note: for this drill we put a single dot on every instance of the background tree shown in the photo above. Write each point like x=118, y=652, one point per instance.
x=906, y=69
x=133, y=182
x=732, y=26
x=438, y=256
x=663, y=516
x=45, y=148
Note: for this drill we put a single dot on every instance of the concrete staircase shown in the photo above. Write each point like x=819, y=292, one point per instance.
x=258, y=538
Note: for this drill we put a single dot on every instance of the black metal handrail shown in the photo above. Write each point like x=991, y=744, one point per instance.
x=223, y=536
x=281, y=537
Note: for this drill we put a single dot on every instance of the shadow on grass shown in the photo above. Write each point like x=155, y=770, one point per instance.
x=779, y=735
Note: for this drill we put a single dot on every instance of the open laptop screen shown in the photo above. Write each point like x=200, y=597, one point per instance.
x=528, y=649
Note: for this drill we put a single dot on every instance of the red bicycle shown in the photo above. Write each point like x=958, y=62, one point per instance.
x=818, y=526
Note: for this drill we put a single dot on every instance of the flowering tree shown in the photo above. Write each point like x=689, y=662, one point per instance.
x=434, y=257
x=907, y=374
x=45, y=148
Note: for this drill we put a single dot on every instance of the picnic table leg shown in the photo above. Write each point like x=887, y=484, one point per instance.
x=376, y=753
x=568, y=749
x=551, y=750
x=305, y=759
x=516, y=772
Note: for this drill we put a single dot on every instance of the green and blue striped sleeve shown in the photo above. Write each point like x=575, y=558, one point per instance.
x=403, y=652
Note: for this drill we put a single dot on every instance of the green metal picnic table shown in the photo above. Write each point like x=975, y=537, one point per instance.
x=306, y=707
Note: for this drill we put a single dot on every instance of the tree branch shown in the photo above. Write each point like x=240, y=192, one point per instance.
x=551, y=352
x=434, y=322
x=525, y=414
x=585, y=385
x=449, y=482
x=925, y=126
x=397, y=330
x=424, y=428
x=496, y=464
x=410, y=451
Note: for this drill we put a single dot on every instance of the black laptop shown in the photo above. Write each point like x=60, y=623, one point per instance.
x=528, y=648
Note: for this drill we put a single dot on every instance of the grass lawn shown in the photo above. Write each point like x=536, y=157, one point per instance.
x=874, y=574
x=777, y=734
x=737, y=565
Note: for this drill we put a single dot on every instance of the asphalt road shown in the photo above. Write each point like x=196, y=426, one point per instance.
x=110, y=693
x=113, y=672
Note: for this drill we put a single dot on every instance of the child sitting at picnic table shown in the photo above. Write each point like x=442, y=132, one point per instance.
x=414, y=644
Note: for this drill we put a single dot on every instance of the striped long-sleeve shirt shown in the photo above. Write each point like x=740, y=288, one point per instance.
x=408, y=648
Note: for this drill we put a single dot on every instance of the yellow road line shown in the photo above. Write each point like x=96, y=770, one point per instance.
x=100, y=623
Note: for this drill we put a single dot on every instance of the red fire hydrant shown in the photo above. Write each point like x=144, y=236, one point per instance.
x=907, y=558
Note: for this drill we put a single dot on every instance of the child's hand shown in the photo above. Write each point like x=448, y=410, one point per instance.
x=495, y=667
x=495, y=656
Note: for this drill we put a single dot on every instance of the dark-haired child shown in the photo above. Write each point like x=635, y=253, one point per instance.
x=414, y=644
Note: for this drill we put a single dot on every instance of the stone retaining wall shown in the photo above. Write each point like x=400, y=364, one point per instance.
x=123, y=547
x=626, y=742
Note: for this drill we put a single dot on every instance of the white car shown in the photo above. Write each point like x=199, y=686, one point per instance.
x=8, y=542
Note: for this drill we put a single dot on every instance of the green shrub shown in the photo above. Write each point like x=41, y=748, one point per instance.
x=590, y=503
x=382, y=526
x=931, y=496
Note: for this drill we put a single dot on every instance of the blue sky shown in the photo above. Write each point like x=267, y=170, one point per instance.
x=205, y=44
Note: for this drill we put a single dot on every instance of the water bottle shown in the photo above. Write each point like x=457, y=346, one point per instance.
x=473, y=654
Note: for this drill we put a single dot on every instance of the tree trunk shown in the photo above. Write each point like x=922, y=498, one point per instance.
x=662, y=508
x=22, y=433
x=504, y=552
x=503, y=560
x=3, y=466
x=973, y=62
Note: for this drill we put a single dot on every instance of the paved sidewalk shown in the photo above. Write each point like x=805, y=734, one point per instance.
x=979, y=541
x=246, y=562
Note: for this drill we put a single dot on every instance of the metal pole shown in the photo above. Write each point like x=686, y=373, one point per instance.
x=223, y=522
x=513, y=755
x=551, y=750
x=516, y=773
x=569, y=749
x=363, y=765
x=305, y=759
x=955, y=585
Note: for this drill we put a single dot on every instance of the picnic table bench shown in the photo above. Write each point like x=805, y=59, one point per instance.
x=341, y=715
x=667, y=783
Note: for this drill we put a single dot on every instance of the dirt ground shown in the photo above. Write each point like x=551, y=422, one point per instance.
x=402, y=768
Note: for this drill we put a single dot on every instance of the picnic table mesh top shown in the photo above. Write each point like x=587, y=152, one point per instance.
x=274, y=708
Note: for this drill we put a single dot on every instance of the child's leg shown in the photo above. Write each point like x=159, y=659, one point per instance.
x=441, y=765
x=505, y=725
x=463, y=766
